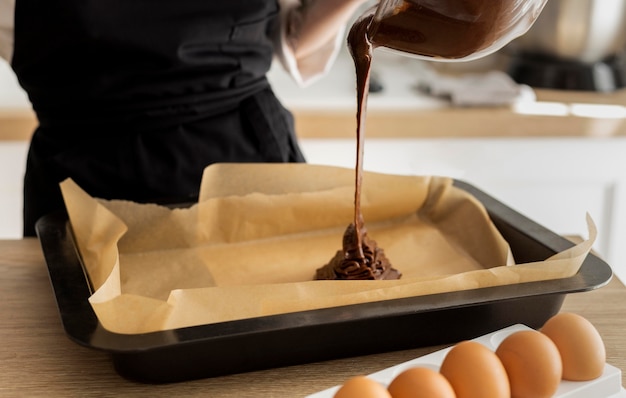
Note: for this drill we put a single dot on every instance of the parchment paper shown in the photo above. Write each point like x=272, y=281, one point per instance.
x=252, y=243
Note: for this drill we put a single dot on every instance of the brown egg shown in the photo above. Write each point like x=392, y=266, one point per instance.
x=420, y=382
x=582, y=350
x=532, y=363
x=362, y=387
x=474, y=371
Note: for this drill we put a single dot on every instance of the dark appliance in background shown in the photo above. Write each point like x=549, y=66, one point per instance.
x=573, y=45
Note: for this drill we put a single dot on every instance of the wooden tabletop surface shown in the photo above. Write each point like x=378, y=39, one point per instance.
x=556, y=113
x=38, y=359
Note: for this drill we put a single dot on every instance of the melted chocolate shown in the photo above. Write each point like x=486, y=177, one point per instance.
x=361, y=258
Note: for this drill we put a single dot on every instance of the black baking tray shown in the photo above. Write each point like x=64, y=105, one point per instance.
x=316, y=335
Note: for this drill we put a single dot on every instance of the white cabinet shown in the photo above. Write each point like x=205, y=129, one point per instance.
x=554, y=182
x=12, y=166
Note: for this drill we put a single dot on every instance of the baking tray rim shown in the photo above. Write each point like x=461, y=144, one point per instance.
x=81, y=324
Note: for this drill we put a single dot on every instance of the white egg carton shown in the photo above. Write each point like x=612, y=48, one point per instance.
x=609, y=385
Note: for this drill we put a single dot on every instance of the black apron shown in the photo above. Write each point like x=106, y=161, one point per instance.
x=136, y=97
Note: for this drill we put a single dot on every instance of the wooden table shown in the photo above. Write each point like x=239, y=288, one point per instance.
x=38, y=359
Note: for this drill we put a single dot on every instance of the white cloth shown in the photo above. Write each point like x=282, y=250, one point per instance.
x=303, y=72
x=492, y=88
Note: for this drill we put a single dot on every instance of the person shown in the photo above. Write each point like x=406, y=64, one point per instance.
x=134, y=98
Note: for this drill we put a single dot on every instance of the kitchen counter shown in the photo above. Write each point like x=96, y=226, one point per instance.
x=554, y=114
x=327, y=108
x=39, y=360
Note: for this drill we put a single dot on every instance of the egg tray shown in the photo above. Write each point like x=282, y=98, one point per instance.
x=608, y=385
x=316, y=335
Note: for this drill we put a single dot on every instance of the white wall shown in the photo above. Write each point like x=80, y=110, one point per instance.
x=12, y=159
x=11, y=95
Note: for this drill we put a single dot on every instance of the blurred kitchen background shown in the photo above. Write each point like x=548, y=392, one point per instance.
x=540, y=125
